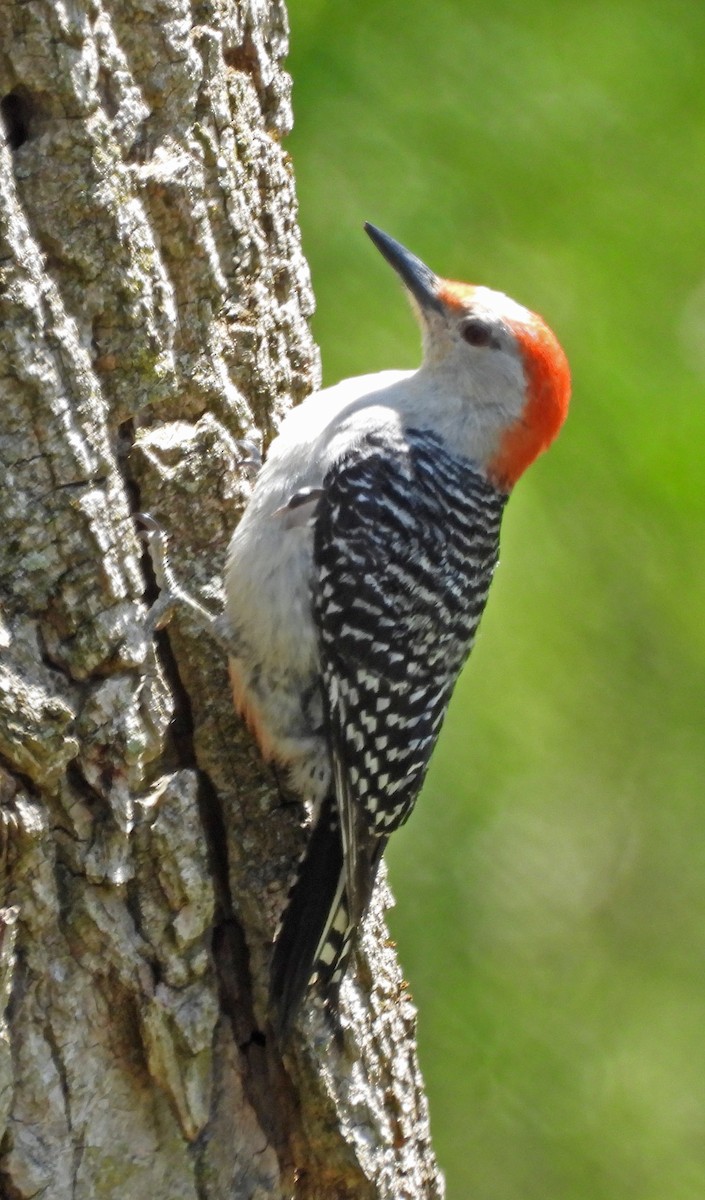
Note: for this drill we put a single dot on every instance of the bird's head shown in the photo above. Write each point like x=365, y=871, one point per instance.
x=501, y=361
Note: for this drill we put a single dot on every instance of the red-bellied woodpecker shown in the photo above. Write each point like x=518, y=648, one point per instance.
x=356, y=580
x=357, y=577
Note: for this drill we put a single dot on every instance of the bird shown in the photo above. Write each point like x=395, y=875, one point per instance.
x=356, y=580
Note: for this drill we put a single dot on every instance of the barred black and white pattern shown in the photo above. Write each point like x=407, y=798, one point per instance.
x=406, y=538
x=406, y=542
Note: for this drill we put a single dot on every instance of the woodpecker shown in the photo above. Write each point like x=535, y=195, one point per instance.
x=356, y=580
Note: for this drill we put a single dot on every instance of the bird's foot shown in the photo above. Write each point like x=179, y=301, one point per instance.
x=172, y=595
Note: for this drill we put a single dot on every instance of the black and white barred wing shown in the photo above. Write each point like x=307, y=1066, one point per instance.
x=405, y=544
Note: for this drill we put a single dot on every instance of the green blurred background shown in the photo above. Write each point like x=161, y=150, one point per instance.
x=551, y=883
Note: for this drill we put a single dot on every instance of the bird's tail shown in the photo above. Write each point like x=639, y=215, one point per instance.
x=317, y=935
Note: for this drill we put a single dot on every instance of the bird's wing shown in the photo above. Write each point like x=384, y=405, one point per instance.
x=405, y=543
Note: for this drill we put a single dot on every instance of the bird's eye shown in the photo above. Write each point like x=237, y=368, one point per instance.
x=478, y=332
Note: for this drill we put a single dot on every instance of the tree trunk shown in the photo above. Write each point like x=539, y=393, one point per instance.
x=154, y=302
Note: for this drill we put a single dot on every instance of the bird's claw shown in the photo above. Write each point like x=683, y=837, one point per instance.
x=250, y=453
x=161, y=610
x=172, y=594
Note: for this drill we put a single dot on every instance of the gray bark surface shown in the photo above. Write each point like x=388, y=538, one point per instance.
x=153, y=309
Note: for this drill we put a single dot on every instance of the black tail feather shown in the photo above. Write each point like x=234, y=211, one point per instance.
x=316, y=936
x=310, y=902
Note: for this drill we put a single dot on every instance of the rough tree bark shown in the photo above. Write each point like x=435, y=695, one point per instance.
x=153, y=301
